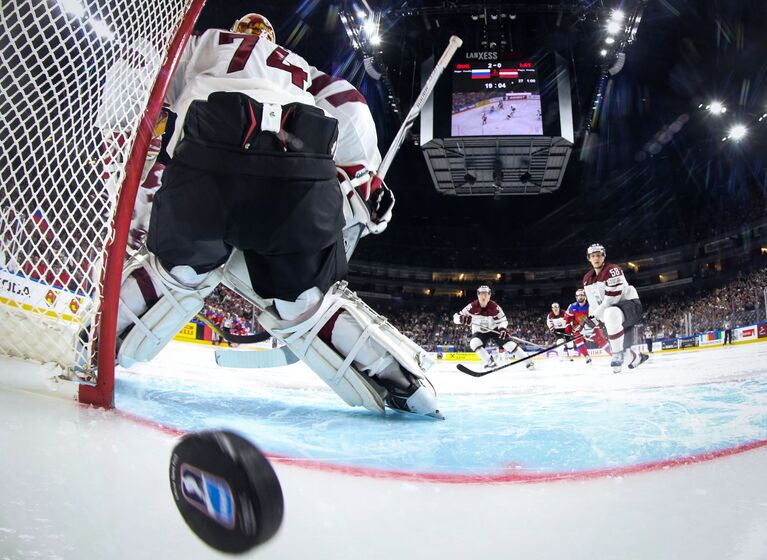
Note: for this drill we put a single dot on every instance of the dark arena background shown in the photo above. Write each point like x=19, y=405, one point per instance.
x=641, y=152
x=640, y=125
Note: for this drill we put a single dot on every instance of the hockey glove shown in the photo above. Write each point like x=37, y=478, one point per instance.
x=370, y=200
x=459, y=319
x=504, y=333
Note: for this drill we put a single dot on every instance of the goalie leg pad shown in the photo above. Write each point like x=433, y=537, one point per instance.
x=359, y=354
x=348, y=383
x=158, y=304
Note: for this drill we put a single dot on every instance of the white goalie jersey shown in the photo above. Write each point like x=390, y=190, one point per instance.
x=219, y=60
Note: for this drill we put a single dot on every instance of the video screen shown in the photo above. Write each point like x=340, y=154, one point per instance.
x=495, y=99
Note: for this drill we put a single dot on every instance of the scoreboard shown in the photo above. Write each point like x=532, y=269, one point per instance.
x=495, y=97
x=495, y=76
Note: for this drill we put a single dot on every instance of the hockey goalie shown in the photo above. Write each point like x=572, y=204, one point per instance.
x=269, y=187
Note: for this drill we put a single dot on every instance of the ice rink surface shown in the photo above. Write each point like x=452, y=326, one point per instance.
x=566, y=461
x=525, y=120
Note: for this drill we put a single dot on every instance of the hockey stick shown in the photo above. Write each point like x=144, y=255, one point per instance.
x=463, y=369
x=353, y=234
x=453, y=44
x=516, y=339
x=274, y=357
x=235, y=338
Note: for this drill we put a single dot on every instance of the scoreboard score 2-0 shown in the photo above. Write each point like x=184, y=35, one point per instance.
x=495, y=97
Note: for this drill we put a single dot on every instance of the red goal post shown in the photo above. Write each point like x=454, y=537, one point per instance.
x=69, y=173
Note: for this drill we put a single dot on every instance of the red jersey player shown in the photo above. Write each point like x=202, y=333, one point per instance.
x=577, y=316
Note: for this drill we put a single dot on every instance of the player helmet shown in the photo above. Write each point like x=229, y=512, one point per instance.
x=255, y=24
x=596, y=248
x=580, y=292
x=483, y=290
x=555, y=305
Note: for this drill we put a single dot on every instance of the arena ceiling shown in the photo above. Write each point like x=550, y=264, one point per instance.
x=650, y=160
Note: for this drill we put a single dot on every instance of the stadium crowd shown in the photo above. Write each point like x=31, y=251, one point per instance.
x=741, y=301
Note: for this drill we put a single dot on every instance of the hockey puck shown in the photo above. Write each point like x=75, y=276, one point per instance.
x=226, y=490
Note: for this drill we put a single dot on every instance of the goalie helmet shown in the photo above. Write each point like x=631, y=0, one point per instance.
x=484, y=290
x=596, y=248
x=255, y=24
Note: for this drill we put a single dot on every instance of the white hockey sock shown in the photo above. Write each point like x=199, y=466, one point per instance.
x=613, y=319
x=512, y=347
x=483, y=354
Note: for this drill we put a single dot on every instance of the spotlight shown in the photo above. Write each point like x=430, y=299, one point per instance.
x=493, y=16
x=737, y=132
x=474, y=17
x=603, y=52
x=609, y=40
x=613, y=27
x=375, y=39
x=617, y=15
x=716, y=108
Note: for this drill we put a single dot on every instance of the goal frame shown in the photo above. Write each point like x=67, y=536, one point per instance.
x=101, y=393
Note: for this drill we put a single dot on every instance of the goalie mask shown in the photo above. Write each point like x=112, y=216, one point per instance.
x=255, y=24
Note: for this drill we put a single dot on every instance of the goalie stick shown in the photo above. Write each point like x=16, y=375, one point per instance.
x=274, y=357
x=453, y=44
x=353, y=234
x=463, y=369
x=513, y=338
x=235, y=338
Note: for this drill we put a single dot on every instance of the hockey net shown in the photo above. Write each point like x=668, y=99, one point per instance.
x=72, y=153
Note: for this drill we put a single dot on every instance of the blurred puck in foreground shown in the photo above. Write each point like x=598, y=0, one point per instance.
x=226, y=490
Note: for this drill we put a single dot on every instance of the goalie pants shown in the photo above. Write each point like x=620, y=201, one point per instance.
x=280, y=205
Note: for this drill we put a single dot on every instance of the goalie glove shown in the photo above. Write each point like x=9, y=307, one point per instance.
x=370, y=201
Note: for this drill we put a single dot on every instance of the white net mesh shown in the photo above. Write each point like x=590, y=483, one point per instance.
x=66, y=137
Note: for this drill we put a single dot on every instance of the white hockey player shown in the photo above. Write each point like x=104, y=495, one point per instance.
x=556, y=322
x=488, y=324
x=614, y=302
x=273, y=158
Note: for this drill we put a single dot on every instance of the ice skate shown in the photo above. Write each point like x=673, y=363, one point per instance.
x=588, y=359
x=530, y=365
x=638, y=360
x=617, y=362
x=490, y=364
x=410, y=393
